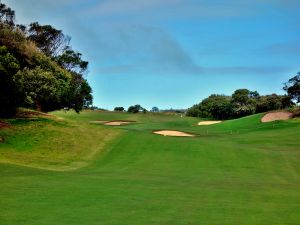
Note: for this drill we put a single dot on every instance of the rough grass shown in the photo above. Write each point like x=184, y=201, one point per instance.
x=52, y=143
x=238, y=172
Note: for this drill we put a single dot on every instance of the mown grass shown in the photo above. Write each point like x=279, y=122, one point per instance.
x=238, y=172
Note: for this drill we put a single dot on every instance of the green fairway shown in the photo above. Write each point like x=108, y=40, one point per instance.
x=66, y=170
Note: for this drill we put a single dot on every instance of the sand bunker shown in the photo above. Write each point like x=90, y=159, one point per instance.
x=98, y=122
x=118, y=123
x=112, y=123
x=208, y=122
x=272, y=116
x=173, y=133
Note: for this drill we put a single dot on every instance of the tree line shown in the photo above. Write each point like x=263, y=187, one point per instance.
x=131, y=109
x=38, y=68
x=244, y=102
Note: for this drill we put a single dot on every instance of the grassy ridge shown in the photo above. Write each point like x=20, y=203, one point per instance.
x=250, y=176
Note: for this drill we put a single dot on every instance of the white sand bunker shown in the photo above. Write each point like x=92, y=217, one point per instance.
x=208, y=122
x=173, y=133
x=99, y=121
x=118, y=123
x=272, y=116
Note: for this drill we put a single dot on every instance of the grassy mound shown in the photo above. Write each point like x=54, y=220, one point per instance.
x=50, y=142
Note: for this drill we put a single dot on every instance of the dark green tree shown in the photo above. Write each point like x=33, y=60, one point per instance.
x=243, y=103
x=79, y=95
x=194, y=111
x=119, y=109
x=38, y=68
x=292, y=87
x=155, y=109
x=9, y=93
x=71, y=61
x=41, y=88
x=216, y=106
x=135, y=109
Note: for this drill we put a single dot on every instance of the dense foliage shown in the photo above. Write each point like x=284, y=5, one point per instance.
x=136, y=109
x=292, y=87
x=38, y=68
x=119, y=109
x=155, y=109
x=242, y=103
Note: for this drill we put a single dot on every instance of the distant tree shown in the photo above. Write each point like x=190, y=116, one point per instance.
x=194, y=111
x=243, y=103
x=135, y=109
x=120, y=109
x=292, y=87
x=241, y=97
x=216, y=106
x=273, y=102
x=155, y=109
x=254, y=94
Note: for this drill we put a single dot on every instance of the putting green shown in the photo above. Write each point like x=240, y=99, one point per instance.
x=239, y=172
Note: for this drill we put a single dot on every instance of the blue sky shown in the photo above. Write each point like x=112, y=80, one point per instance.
x=173, y=53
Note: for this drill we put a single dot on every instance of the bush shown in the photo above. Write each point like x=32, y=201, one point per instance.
x=136, y=109
x=119, y=109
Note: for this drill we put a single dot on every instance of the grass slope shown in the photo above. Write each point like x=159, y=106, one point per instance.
x=238, y=172
x=53, y=143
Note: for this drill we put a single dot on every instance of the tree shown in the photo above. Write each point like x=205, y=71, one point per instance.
x=49, y=40
x=79, y=94
x=194, y=111
x=71, y=61
x=292, y=87
x=41, y=89
x=119, y=109
x=286, y=101
x=9, y=93
x=155, y=109
x=241, y=97
x=216, y=106
x=135, y=109
x=39, y=70
x=7, y=15
x=254, y=94
x=243, y=102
